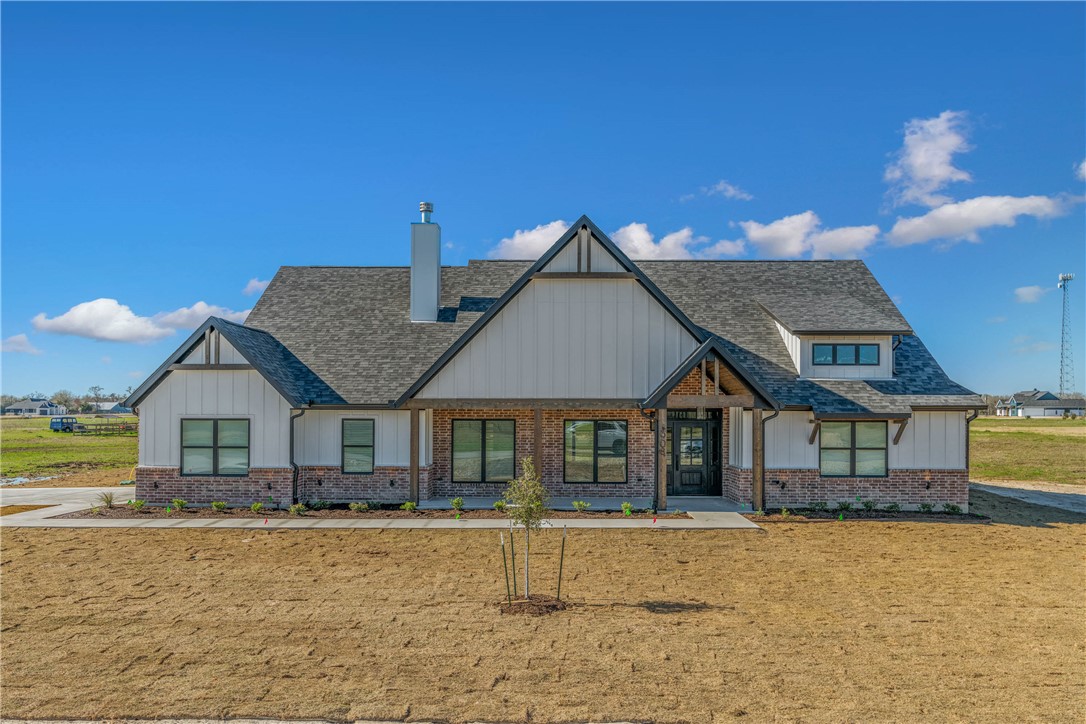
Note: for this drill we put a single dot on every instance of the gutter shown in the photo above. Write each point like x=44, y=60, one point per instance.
x=761, y=492
x=293, y=463
x=968, y=419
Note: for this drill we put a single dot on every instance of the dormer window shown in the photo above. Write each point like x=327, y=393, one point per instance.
x=845, y=354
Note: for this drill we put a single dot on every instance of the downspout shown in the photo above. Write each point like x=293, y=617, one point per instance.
x=776, y=411
x=293, y=463
x=968, y=420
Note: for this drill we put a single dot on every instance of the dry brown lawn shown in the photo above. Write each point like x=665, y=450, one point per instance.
x=13, y=509
x=818, y=621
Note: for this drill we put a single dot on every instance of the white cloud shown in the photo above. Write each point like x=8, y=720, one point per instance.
x=255, y=286
x=1030, y=294
x=846, y=242
x=996, y=320
x=638, y=242
x=925, y=164
x=109, y=320
x=1080, y=171
x=107, y=360
x=724, y=247
x=192, y=317
x=19, y=343
x=727, y=190
x=784, y=237
x=962, y=220
x=529, y=243
x=137, y=374
x=1034, y=348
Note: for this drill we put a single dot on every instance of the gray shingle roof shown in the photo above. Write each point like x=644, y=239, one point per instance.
x=350, y=325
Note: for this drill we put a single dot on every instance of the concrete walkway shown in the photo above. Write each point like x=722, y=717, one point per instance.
x=70, y=500
x=1073, y=499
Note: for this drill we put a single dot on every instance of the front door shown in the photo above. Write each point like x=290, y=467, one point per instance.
x=694, y=451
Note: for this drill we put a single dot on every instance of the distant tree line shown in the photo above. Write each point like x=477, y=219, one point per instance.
x=75, y=403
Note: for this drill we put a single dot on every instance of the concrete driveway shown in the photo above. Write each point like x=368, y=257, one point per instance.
x=66, y=500
x=1064, y=497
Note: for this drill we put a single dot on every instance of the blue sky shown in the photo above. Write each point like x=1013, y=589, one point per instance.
x=158, y=157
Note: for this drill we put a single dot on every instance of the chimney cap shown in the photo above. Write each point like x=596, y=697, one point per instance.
x=426, y=206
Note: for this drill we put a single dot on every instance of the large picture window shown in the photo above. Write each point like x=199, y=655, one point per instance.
x=845, y=354
x=357, y=446
x=853, y=449
x=483, y=451
x=595, y=451
x=215, y=447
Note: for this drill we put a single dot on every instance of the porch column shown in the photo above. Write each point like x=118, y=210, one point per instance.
x=661, y=458
x=537, y=452
x=757, y=461
x=414, y=493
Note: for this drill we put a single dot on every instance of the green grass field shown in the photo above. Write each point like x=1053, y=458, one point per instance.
x=28, y=448
x=1051, y=450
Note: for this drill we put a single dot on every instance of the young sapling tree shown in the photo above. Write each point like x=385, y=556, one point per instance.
x=526, y=505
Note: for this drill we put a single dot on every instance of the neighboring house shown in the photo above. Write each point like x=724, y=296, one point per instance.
x=110, y=407
x=771, y=383
x=1039, y=403
x=35, y=406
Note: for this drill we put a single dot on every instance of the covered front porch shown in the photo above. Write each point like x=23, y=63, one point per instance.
x=689, y=504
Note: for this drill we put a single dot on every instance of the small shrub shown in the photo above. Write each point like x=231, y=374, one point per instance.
x=96, y=510
x=499, y=505
x=870, y=505
x=926, y=507
x=843, y=507
x=409, y=506
x=952, y=509
x=785, y=512
x=106, y=498
x=256, y=507
x=821, y=506
x=178, y=503
x=318, y=505
x=218, y=505
x=137, y=505
x=758, y=512
x=581, y=505
x=358, y=507
x=298, y=509
x=893, y=508
x=627, y=508
x=457, y=503
x=373, y=504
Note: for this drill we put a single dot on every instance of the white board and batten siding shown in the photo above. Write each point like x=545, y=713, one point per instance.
x=318, y=437
x=228, y=355
x=601, y=259
x=801, y=352
x=931, y=441
x=210, y=394
x=568, y=338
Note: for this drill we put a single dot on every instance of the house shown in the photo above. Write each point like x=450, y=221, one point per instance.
x=1039, y=403
x=770, y=383
x=110, y=407
x=38, y=406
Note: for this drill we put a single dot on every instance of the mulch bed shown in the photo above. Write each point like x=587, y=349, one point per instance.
x=829, y=516
x=535, y=605
x=120, y=510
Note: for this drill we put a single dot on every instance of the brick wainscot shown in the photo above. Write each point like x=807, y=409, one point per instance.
x=158, y=486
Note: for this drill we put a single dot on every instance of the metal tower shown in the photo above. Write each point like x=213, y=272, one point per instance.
x=1067, y=362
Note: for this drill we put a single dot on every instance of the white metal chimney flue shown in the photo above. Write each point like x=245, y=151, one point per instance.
x=425, y=267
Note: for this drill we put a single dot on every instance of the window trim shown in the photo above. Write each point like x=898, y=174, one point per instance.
x=214, y=447
x=343, y=446
x=595, y=454
x=483, y=421
x=853, y=448
x=833, y=354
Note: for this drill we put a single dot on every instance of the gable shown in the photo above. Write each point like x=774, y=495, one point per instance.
x=584, y=254
x=568, y=338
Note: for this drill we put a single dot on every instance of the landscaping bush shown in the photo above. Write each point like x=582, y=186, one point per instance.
x=821, y=506
x=893, y=508
x=106, y=498
x=178, y=503
x=357, y=507
x=137, y=505
x=627, y=508
x=256, y=507
x=218, y=505
x=843, y=507
x=926, y=507
x=785, y=512
x=297, y=509
x=952, y=508
x=581, y=506
x=318, y=505
x=870, y=505
x=409, y=506
x=499, y=505
x=457, y=503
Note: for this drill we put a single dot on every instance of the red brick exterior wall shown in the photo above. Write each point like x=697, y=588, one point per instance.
x=385, y=484
x=640, y=452
x=800, y=488
x=159, y=486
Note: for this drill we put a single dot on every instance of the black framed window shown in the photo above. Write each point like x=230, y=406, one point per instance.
x=845, y=354
x=357, y=454
x=484, y=451
x=595, y=451
x=853, y=449
x=215, y=447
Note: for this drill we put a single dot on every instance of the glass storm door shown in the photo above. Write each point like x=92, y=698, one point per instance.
x=689, y=458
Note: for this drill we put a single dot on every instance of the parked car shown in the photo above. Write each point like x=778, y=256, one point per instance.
x=63, y=424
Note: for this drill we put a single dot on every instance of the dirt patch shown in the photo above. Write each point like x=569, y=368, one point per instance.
x=123, y=511
x=13, y=509
x=900, y=621
x=534, y=605
x=99, y=478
